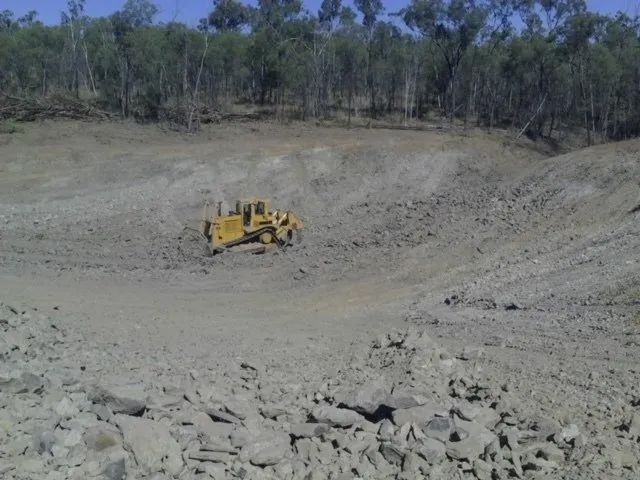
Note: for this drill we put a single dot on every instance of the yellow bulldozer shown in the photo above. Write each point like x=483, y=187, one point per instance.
x=252, y=227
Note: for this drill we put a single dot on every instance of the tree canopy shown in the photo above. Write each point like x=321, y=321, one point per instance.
x=537, y=66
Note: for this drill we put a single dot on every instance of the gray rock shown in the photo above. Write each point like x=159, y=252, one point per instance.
x=419, y=415
x=569, y=432
x=221, y=416
x=272, y=410
x=414, y=466
x=43, y=441
x=403, y=399
x=206, y=426
x=115, y=470
x=433, y=451
x=58, y=451
x=482, y=469
x=158, y=476
x=472, y=353
x=101, y=437
x=394, y=454
x=386, y=430
x=474, y=438
x=239, y=437
x=268, y=448
x=239, y=408
x=30, y=465
x=547, y=451
x=152, y=445
x=334, y=416
x=633, y=426
x=208, y=456
x=5, y=467
x=119, y=398
x=102, y=412
x=367, y=398
x=617, y=457
x=308, y=430
x=324, y=454
x=77, y=456
x=24, y=383
x=66, y=408
x=219, y=446
x=439, y=428
x=484, y=415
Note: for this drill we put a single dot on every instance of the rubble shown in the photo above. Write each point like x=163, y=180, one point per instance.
x=437, y=418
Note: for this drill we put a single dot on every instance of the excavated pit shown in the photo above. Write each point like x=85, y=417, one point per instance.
x=536, y=255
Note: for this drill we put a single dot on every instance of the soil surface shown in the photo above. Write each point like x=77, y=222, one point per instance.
x=477, y=239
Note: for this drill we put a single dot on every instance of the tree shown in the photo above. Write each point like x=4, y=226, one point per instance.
x=74, y=20
x=229, y=15
x=139, y=13
x=6, y=20
x=370, y=10
x=453, y=26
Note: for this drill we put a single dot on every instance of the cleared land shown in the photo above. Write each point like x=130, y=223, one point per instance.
x=476, y=239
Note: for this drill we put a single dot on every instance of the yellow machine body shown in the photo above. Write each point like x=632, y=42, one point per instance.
x=252, y=222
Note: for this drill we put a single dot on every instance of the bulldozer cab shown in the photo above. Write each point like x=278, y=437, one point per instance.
x=254, y=212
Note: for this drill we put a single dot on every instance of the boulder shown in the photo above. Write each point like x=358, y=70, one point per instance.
x=25, y=382
x=240, y=436
x=433, y=451
x=392, y=453
x=43, y=441
x=484, y=415
x=419, y=415
x=220, y=416
x=334, y=416
x=102, y=437
x=151, y=443
x=308, y=430
x=206, y=426
x=115, y=470
x=403, y=399
x=439, y=428
x=222, y=446
x=239, y=407
x=472, y=439
x=272, y=410
x=128, y=398
x=569, y=432
x=208, y=456
x=268, y=448
x=367, y=398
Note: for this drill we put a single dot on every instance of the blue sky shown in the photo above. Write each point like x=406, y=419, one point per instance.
x=189, y=11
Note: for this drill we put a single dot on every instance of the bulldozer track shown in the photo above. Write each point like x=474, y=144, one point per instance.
x=252, y=236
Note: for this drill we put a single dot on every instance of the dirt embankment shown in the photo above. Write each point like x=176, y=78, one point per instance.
x=484, y=242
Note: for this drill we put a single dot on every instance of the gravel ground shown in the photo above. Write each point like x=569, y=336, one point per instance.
x=461, y=306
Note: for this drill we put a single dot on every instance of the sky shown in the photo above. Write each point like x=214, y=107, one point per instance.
x=190, y=11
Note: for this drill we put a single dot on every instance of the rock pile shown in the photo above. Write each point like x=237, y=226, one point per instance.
x=404, y=408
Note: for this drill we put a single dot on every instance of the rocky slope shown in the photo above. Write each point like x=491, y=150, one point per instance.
x=403, y=408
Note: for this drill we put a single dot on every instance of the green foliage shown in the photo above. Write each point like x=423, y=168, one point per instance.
x=464, y=59
x=229, y=15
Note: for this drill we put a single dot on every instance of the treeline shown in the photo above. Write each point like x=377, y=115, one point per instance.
x=536, y=66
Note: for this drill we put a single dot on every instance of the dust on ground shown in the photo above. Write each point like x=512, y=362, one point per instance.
x=480, y=240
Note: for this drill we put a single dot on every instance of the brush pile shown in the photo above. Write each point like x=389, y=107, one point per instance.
x=53, y=106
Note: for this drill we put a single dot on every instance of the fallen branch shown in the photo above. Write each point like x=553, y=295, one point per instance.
x=533, y=117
